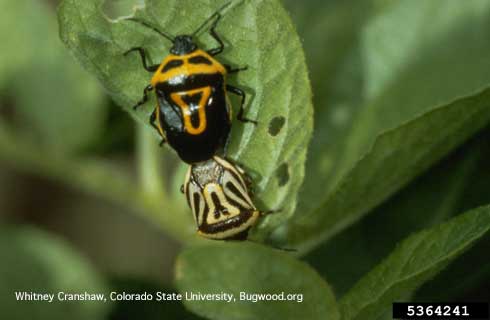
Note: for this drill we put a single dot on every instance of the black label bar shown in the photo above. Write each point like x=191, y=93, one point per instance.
x=440, y=310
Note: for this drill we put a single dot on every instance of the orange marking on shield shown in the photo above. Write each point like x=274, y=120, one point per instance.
x=186, y=110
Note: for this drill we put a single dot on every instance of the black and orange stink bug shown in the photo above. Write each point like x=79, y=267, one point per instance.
x=193, y=113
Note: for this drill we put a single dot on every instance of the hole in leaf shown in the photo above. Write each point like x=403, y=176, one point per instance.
x=276, y=124
x=282, y=174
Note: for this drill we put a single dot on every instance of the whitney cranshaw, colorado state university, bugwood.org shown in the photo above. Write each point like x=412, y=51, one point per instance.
x=156, y=296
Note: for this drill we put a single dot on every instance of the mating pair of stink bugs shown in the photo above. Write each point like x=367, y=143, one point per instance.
x=194, y=117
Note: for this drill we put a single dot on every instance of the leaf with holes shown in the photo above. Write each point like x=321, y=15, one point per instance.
x=400, y=106
x=257, y=34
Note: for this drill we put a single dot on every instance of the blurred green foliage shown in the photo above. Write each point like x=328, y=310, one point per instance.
x=390, y=202
x=33, y=261
x=57, y=105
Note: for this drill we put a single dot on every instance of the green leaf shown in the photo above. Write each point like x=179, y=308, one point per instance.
x=56, y=104
x=118, y=8
x=331, y=32
x=469, y=273
x=252, y=269
x=427, y=201
x=11, y=57
x=461, y=277
x=397, y=79
x=415, y=261
x=396, y=157
x=33, y=261
x=258, y=34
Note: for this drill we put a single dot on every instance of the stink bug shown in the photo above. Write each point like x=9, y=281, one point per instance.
x=218, y=193
x=193, y=113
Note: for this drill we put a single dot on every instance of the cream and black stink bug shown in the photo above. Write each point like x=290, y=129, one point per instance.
x=218, y=193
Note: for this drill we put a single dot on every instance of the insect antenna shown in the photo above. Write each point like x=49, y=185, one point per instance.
x=213, y=16
x=163, y=34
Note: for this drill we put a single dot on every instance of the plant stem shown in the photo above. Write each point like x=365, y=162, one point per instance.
x=150, y=162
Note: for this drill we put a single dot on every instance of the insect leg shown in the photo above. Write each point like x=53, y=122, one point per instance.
x=216, y=37
x=153, y=118
x=230, y=69
x=240, y=93
x=145, y=96
x=151, y=68
x=225, y=147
